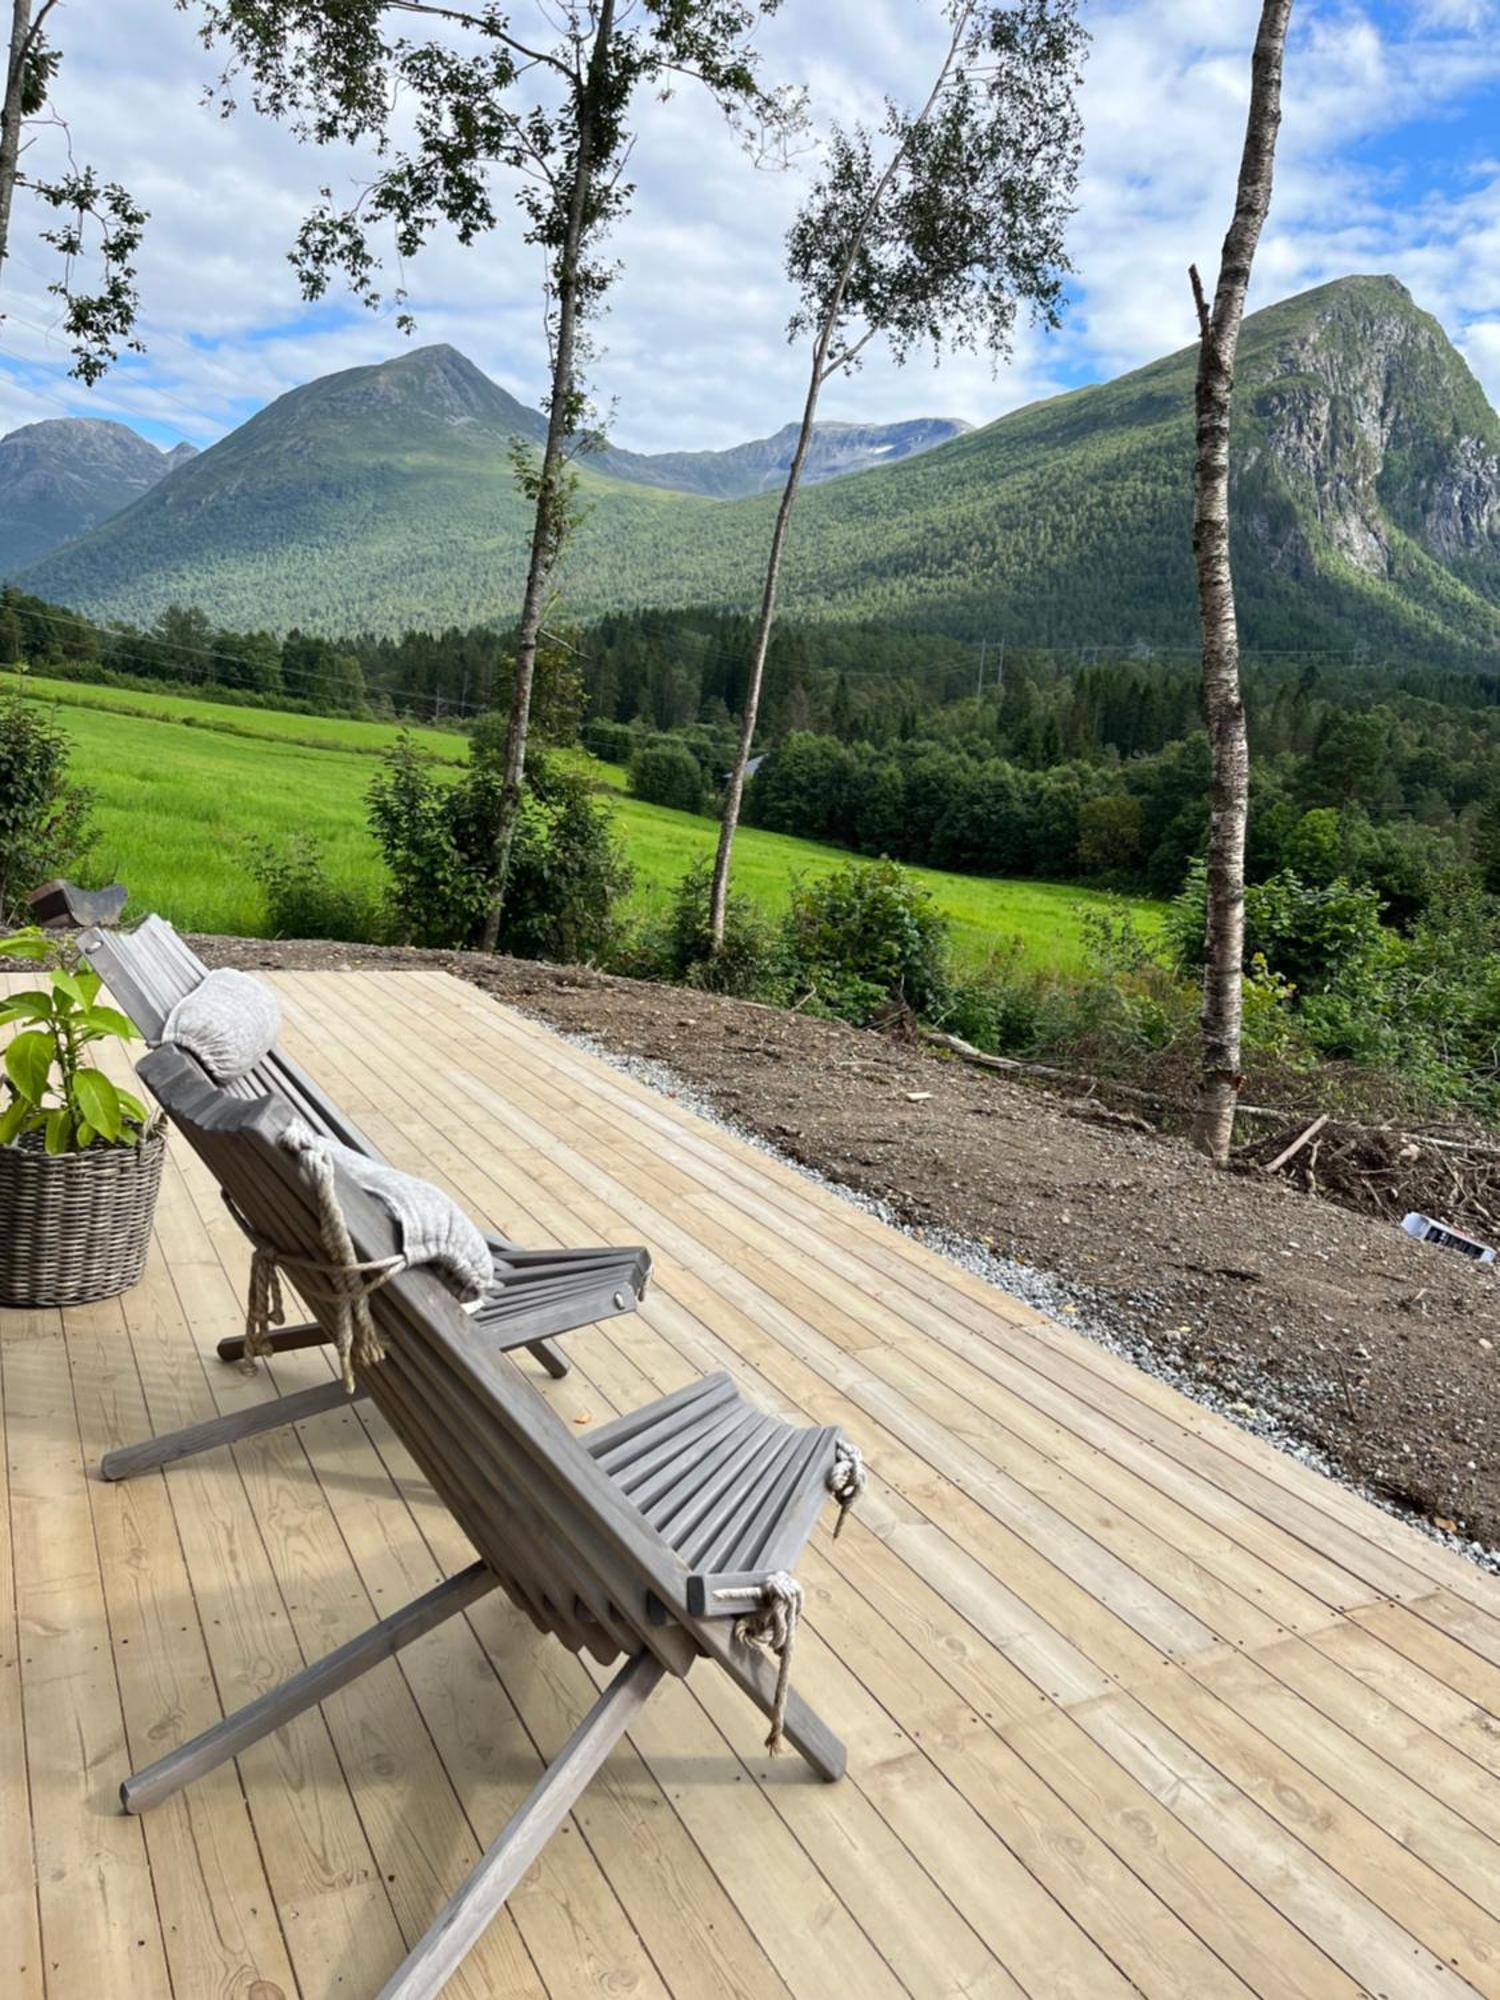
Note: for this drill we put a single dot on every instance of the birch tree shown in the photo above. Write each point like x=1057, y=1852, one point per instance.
x=95, y=226
x=465, y=106
x=1223, y=700
x=933, y=231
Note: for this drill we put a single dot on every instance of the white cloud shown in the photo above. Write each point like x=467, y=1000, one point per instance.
x=694, y=351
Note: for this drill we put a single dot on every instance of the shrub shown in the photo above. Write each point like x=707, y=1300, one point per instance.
x=750, y=961
x=668, y=774
x=1311, y=933
x=610, y=742
x=44, y=828
x=302, y=901
x=864, y=937
x=567, y=870
x=436, y=895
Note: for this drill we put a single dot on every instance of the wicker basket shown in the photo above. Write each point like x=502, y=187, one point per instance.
x=75, y=1226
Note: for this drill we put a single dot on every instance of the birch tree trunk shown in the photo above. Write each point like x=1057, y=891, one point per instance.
x=734, y=791
x=21, y=33
x=826, y=361
x=1223, y=701
x=547, y=529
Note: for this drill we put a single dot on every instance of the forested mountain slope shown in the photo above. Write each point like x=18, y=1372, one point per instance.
x=63, y=476
x=1367, y=486
x=1367, y=481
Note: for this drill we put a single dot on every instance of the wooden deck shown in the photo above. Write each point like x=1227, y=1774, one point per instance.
x=1133, y=1703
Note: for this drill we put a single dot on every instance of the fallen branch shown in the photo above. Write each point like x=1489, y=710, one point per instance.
x=1291, y=1152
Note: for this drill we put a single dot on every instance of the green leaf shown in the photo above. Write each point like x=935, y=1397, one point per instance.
x=28, y=1063
x=98, y=1101
x=108, y=1021
x=65, y=992
x=88, y=984
x=86, y=1136
x=12, y=1119
x=59, y=1130
x=28, y=1006
x=132, y=1106
x=26, y=944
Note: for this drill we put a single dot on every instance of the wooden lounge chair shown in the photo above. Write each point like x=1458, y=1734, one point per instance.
x=538, y=1293
x=662, y=1536
x=63, y=905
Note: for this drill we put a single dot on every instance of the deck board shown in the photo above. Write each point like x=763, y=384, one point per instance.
x=1133, y=1702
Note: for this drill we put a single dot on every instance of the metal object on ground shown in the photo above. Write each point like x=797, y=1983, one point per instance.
x=1427, y=1231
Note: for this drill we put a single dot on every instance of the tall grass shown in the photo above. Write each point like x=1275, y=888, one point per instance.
x=179, y=794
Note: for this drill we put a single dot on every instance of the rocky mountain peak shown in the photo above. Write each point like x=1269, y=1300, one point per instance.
x=1363, y=414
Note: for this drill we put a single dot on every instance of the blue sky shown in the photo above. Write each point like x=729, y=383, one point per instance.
x=1390, y=161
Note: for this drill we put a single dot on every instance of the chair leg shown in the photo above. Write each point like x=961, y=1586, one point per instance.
x=130, y=1459
x=284, y=1340
x=551, y=1357
x=806, y=1731
x=468, y=1913
x=288, y=1339
x=248, y=1725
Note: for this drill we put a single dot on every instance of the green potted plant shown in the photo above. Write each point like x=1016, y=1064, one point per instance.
x=80, y=1158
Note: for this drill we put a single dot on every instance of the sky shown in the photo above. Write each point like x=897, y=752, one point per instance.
x=1389, y=161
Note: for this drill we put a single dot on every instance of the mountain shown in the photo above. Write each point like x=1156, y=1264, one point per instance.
x=1367, y=505
x=62, y=477
x=1367, y=482
x=762, y=465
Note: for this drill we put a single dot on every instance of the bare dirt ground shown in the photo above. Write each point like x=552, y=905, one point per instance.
x=1302, y=1317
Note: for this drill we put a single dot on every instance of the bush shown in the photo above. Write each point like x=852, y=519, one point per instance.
x=865, y=937
x=436, y=894
x=301, y=899
x=1312, y=934
x=668, y=774
x=750, y=961
x=567, y=870
x=44, y=829
x=610, y=742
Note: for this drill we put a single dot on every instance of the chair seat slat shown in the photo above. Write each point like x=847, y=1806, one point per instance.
x=737, y=1473
x=723, y=1523
x=601, y=1441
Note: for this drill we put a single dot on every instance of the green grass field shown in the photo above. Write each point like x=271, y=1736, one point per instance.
x=178, y=797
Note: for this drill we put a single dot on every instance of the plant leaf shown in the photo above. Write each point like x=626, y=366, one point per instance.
x=28, y=1006
x=99, y=1102
x=132, y=1106
x=12, y=1119
x=58, y=1133
x=86, y=1135
x=66, y=991
x=28, y=1063
x=88, y=984
x=108, y=1021
x=26, y=944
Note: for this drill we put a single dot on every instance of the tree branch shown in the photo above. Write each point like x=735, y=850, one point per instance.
x=1205, y=323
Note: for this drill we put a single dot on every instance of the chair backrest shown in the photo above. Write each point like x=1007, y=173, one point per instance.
x=148, y=970
x=568, y=1546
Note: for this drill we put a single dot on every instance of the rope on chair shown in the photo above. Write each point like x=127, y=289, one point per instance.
x=846, y=1479
x=771, y=1625
x=337, y=1281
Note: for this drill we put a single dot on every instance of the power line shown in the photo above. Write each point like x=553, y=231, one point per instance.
x=309, y=675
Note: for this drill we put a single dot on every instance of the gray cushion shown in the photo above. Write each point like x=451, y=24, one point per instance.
x=433, y=1228
x=229, y=1022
